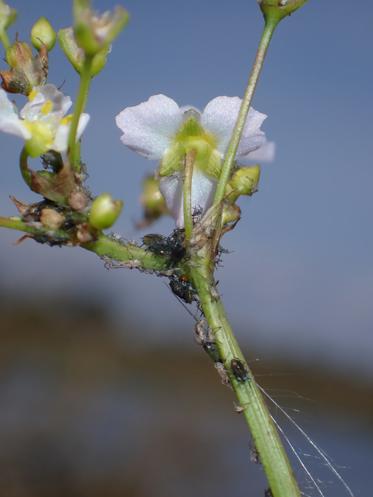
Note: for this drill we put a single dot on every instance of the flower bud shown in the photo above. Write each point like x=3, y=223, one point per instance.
x=76, y=55
x=278, y=9
x=7, y=16
x=104, y=211
x=42, y=34
x=94, y=33
x=243, y=182
x=152, y=201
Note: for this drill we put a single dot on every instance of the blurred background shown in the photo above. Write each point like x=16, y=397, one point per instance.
x=102, y=388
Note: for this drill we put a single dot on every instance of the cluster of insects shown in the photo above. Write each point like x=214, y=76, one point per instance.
x=172, y=247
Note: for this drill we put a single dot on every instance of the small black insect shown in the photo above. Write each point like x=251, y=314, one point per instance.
x=171, y=246
x=239, y=370
x=183, y=289
x=268, y=493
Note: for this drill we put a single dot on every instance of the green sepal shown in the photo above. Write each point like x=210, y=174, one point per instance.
x=76, y=55
x=192, y=137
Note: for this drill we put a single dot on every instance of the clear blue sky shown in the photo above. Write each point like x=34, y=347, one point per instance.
x=299, y=279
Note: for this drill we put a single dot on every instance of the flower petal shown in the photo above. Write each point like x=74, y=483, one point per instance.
x=62, y=134
x=219, y=118
x=203, y=189
x=148, y=128
x=33, y=110
x=9, y=120
x=265, y=153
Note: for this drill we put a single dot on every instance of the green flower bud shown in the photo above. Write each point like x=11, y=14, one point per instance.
x=7, y=16
x=243, y=182
x=152, y=201
x=278, y=9
x=76, y=55
x=104, y=211
x=42, y=34
x=93, y=32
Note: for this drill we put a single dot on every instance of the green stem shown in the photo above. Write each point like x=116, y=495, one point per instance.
x=187, y=194
x=4, y=39
x=127, y=254
x=265, y=436
x=16, y=223
x=268, y=31
x=85, y=81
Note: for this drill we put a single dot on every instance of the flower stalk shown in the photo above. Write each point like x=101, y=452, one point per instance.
x=187, y=194
x=269, y=28
x=84, y=85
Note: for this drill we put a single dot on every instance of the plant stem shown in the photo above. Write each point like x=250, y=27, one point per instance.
x=265, y=436
x=269, y=28
x=187, y=193
x=16, y=223
x=4, y=39
x=85, y=81
x=127, y=254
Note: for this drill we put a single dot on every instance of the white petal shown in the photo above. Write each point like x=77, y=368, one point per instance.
x=32, y=111
x=149, y=127
x=83, y=121
x=265, y=153
x=60, y=143
x=9, y=120
x=171, y=189
x=203, y=189
x=219, y=118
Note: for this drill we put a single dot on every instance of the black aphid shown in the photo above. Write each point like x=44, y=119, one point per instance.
x=239, y=370
x=183, y=289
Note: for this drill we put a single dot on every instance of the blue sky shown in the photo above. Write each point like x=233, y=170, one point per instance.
x=299, y=278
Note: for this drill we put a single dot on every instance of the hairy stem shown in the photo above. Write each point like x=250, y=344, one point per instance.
x=230, y=155
x=265, y=436
x=85, y=81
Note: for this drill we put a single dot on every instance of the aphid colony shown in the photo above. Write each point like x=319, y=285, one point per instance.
x=173, y=248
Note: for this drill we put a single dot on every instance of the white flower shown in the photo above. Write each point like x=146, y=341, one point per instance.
x=159, y=129
x=42, y=122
